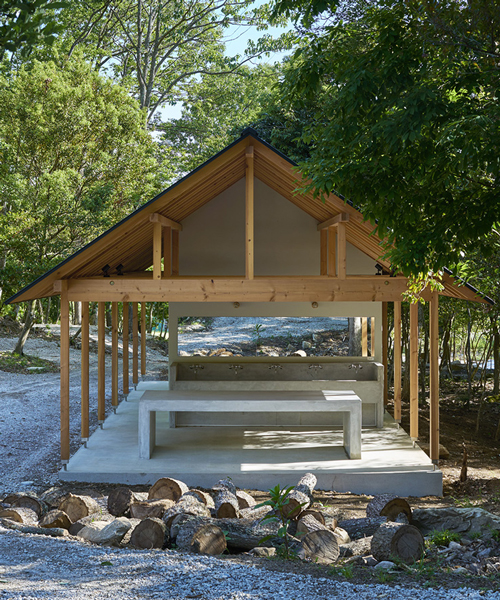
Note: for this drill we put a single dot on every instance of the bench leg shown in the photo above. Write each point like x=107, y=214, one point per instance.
x=147, y=431
x=352, y=432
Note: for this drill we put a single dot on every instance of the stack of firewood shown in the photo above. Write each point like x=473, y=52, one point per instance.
x=226, y=518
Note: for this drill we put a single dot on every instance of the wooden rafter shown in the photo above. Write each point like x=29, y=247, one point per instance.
x=341, y=218
x=164, y=221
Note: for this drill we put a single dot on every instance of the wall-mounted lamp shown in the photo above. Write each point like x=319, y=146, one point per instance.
x=236, y=304
x=119, y=269
x=315, y=305
x=105, y=270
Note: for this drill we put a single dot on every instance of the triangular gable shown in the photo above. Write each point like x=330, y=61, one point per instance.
x=130, y=244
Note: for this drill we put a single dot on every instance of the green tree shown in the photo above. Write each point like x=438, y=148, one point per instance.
x=408, y=121
x=74, y=158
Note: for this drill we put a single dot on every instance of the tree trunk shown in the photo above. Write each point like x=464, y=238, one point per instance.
x=496, y=357
x=167, y=488
x=396, y=540
x=355, y=336
x=319, y=546
x=28, y=322
x=388, y=505
x=202, y=539
x=149, y=533
x=77, y=507
x=77, y=313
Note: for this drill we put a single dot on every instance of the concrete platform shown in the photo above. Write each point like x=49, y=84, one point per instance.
x=254, y=457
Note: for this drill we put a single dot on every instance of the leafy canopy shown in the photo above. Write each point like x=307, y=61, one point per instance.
x=408, y=121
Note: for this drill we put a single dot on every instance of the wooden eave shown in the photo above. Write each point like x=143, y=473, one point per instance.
x=130, y=242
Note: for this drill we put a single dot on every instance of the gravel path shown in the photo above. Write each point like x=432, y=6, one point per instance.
x=33, y=567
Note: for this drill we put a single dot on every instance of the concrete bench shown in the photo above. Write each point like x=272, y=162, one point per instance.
x=345, y=402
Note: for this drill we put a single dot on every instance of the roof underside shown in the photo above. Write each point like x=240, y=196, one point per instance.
x=130, y=242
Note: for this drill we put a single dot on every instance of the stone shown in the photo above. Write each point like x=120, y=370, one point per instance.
x=454, y=546
x=263, y=552
x=461, y=570
x=105, y=533
x=317, y=337
x=299, y=353
x=385, y=565
x=486, y=553
x=370, y=561
x=461, y=520
x=306, y=345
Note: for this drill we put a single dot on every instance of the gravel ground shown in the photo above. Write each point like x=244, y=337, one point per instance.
x=35, y=567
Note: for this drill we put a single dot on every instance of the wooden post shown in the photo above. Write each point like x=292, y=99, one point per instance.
x=434, y=376
x=64, y=346
x=125, y=350
x=397, y=361
x=364, y=336
x=332, y=251
x=175, y=252
x=167, y=252
x=341, y=251
x=135, y=343
x=385, y=330
x=323, y=240
x=143, y=339
x=157, y=250
x=414, y=371
x=84, y=360
x=372, y=336
x=114, y=354
x=249, y=215
x=101, y=362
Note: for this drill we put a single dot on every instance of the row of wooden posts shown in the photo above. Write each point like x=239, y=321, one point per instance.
x=65, y=337
x=101, y=362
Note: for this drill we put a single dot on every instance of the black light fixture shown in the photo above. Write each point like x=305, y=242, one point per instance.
x=380, y=269
x=105, y=270
x=119, y=269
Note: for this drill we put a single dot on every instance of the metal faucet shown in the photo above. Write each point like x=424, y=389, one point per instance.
x=236, y=368
x=275, y=368
x=196, y=368
x=315, y=368
x=356, y=367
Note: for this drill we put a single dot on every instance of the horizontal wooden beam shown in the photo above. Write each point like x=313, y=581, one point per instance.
x=164, y=221
x=342, y=218
x=272, y=289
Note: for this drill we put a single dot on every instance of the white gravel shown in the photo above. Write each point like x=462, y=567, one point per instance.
x=33, y=567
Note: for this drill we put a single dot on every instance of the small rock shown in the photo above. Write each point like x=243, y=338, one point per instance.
x=317, y=337
x=263, y=552
x=461, y=570
x=486, y=553
x=370, y=561
x=385, y=565
x=299, y=353
x=104, y=533
x=306, y=345
x=455, y=546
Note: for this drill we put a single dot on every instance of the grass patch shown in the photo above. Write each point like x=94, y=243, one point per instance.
x=14, y=363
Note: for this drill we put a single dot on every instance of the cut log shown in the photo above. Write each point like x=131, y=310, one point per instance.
x=253, y=513
x=126, y=538
x=225, y=484
x=167, y=488
x=188, y=504
x=53, y=497
x=397, y=540
x=226, y=504
x=205, y=497
x=119, y=501
x=359, y=547
x=308, y=523
x=32, y=530
x=151, y=508
x=202, y=539
x=358, y=528
x=77, y=507
x=388, y=505
x=244, y=499
x=56, y=518
x=314, y=513
x=27, y=501
x=319, y=546
x=25, y=516
x=149, y=533
x=300, y=497
x=341, y=535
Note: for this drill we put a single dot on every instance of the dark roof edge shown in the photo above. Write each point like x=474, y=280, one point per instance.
x=470, y=287
x=248, y=132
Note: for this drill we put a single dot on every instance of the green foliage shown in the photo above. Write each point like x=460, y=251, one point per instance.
x=279, y=499
x=74, y=158
x=407, y=120
x=15, y=363
x=346, y=571
x=383, y=575
x=444, y=537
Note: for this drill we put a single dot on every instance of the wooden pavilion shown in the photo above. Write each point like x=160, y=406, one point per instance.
x=234, y=237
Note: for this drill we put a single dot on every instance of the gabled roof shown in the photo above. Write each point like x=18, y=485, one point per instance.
x=130, y=241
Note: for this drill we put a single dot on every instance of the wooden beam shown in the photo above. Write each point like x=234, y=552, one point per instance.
x=342, y=218
x=101, y=362
x=249, y=214
x=397, y=362
x=364, y=336
x=323, y=252
x=114, y=354
x=414, y=370
x=274, y=289
x=175, y=252
x=64, y=347
x=135, y=343
x=157, y=250
x=167, y=252
x=164, y=221
x=341, y=251
x=84, y=363
x=332, y=251
x=434, y=376
x=143, y=338
x=125, y=336
x=385, y=343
